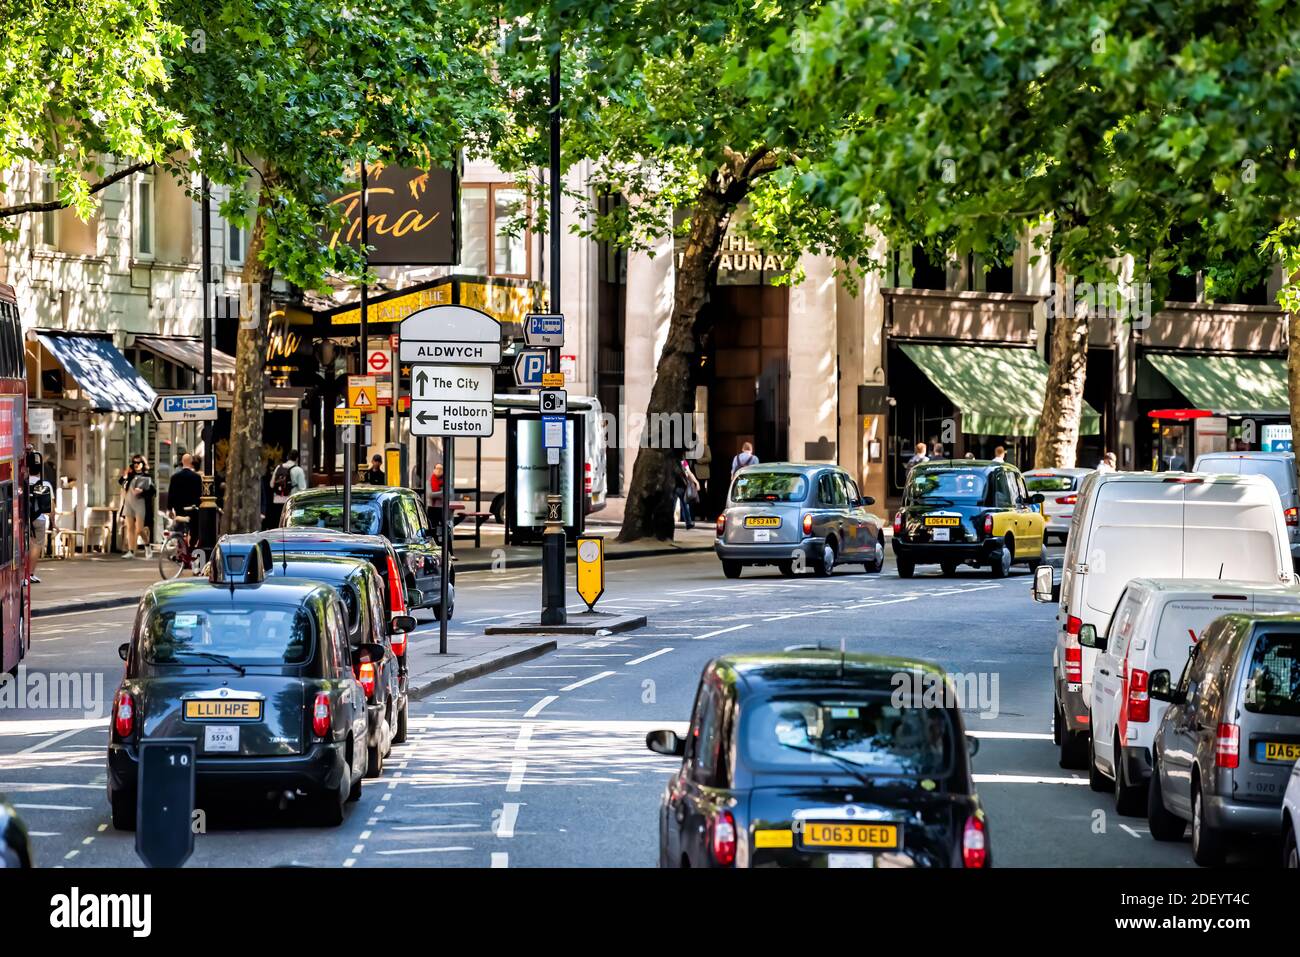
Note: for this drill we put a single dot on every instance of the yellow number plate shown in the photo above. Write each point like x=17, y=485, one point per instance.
x=773, y=838
x=206, y=710
x=762, y=521
x=1281, y=751
x=942, y=520
x=850, y=835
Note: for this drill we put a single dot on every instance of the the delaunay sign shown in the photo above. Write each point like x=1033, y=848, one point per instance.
x=411, y=213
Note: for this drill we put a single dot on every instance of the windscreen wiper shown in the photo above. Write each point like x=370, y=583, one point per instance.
x=852, y=767
x=219, y=659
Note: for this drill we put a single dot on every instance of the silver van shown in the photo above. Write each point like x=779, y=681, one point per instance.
x=1278, y=468
x=1230, y=736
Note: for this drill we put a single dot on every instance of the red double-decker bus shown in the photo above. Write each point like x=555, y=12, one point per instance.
x=15, y=570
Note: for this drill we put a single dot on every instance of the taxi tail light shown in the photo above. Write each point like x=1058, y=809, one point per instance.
x=1139, y=700
x=1293, y=517
x=807, y=523
x=396, y=597
x=123, y=714
x=1227, y=746
x=974, y=843
x=721, y=525
x=1074, y=664
x=722, y=838
x=321, y=722
x=988, y=524
x=366, y=675
x=1068, y=500
x=898, y=522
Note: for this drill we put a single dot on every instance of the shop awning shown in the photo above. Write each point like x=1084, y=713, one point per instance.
x=999, y=391
x=188, y=353
x=107, y=381
x=1227, y=385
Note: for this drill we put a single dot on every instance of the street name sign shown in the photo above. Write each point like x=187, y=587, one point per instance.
x=185, y=408
x=450, y=334
x=450, y=418
x=544, y=330
x=452, y=382
x=530, y=368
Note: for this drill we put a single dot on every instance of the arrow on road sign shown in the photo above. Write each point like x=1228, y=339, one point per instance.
x=422, y=379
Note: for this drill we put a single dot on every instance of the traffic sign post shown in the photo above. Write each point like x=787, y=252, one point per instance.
x=544, y=331
x=472, y=383
x=185, y=408
x=164, y=831
x=363, y=393
x=530, y=368
x=591, y=570
x=450, y=418
x=553, y=402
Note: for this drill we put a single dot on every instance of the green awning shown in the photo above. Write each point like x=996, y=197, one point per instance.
x=999, y=391
x=1227, y=385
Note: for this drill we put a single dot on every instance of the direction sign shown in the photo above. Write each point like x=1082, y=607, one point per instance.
x=451, y=417
x=530, y=366
x=450, y=334
x=452, y=382
x=379, y=362
x=185, y=408
x=362, y=393
x=553, y=401
x=544, y=330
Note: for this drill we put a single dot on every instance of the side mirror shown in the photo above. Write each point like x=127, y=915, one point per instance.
x=1036, y=499
x=868, y=500
x=402, y=623
x=1089, y=639
x=123, y=650
x=375, y=652
x=1045, y=589
x=972, y=745
x=666, y=742
x=1160, y=686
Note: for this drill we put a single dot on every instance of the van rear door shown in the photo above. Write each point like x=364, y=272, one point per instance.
x=1268, y=715
x=1234, y=529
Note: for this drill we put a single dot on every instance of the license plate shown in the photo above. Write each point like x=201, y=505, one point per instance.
x=849, y=835
x=763, y=521
x=942, y=520
x=1278, y=751
x=221, y=737
x=850, y=860
x=940, y=535
x=218, y=710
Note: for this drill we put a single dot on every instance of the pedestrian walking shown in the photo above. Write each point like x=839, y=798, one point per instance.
x=703, y=471
x=686, y=488
x=137, y=487
x=287, y=478
x=375, y=475
x=918, y=455
x=1107, y=463
x=743, y=458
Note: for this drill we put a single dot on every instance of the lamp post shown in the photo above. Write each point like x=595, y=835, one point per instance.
x=553, y=540
x=208, y=500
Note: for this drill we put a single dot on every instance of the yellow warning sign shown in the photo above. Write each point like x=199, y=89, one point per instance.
x=347, y=416
x=363, y=394
x=552, y=380
x=591, y=570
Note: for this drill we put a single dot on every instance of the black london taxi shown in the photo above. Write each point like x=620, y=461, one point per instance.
x=15, y=843
x=968, y=512
x=816, y=758
x=261, y=676
x=398, y=515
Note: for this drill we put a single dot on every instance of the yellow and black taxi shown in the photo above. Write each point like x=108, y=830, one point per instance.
x=15, y=843
x=968, y=512
x=816, y=758
x=261, y=676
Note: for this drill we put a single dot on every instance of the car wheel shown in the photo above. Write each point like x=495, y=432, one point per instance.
x=730, y=569
x=1002, y=561
x=948, y=568
x=1057, y=724
x=877, y=559
x=1130, y=798
x=906, y=567
x=1074, y=748
x=1290, y=854
x=1164, y=826
x=400, y=736
x=331, y=807
x=123, y=805
x=374, y=760
x=1207, y=842
x=786, y=569
x=825, y=566
x=1096, y=779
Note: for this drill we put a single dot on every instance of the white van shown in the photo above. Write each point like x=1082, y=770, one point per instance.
x=1128, y=525
x=1277, y=467
x=1156, y=623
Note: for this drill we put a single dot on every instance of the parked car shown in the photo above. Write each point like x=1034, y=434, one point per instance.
x=396, y=513
x=15, y=844
x=809, y=758
x=1291, y=820
x=789, y=515
x=1158, y=525
x=968, y=512
x=1230, y=736
x=260, y=675
x=1059, y=488
x=1155, y=625
x=1278, y=468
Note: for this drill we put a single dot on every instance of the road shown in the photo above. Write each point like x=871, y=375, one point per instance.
x=544, y=764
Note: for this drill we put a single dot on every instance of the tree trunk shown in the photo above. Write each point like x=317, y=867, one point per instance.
x=649, y=507
x=243, y=500
x=1057, y=440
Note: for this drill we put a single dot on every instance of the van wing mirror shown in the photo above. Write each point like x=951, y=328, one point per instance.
x=1160, y=685
x=1046, y=588
x=868, y=500
x=666, y=742
x=402, y=623
x=1089, y=638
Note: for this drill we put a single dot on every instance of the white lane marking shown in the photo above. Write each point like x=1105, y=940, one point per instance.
x=720, y=631
x=365, y=836
x=1026, y=779
x=44, y=833
x=88, y=840
x=517, y=768
x=358, y=849
x=70, y=855
x=500, y=859
x=1131, y=831
x=506, y=823
x=50, y=807
x=349, y=862
x=587, y=681
x=1017, y=735
x=801, y=614
x=433, y=827
x=48, y=786
x=525, y=737
x=874, y=603
x=425, y=850
x=474, y=711
x=536, y=709
x=446, y=804
x=42, y=745
x=653, y=654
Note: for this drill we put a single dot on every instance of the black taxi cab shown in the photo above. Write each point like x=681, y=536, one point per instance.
x=968, y=512
x=261, y=676
x=812, y=758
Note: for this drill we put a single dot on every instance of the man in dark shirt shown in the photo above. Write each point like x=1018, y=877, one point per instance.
x=185, y=490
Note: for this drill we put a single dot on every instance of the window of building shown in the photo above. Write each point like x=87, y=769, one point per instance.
x=236, y=244
x=144, y=217
x=493, y=241
x=49, y=222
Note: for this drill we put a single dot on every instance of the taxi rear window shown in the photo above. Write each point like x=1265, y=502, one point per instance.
x=770, y=487
x=1273, y=675
x=270, y=635
x=1049, y=483
x=872, y=734
x=365, y=516
x=945, y=487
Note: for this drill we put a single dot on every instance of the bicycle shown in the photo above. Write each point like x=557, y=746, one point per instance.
x=175, y=554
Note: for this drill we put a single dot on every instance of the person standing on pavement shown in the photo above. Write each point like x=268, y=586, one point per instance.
x=287, y=478
x=743, y=458
x=136, y=488
x=702, y=472
x=375, y=475
x=1107, y=463
x=686, y=489
x=999, y=454
x=184, y=493
x=918, y=455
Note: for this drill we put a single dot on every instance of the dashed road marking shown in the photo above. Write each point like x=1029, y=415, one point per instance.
x=500, y=859
x=506, y=823
x=720, y=631
x=536, y=709
x=586, y=681
x=653, y=654
x=517, y=768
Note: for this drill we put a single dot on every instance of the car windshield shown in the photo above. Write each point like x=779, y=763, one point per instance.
x=871, y=733
x=769, y=487
x=945, y=487
x=1049, y=483
x=365, y=516
x=1273, y=678
x=266, y=635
